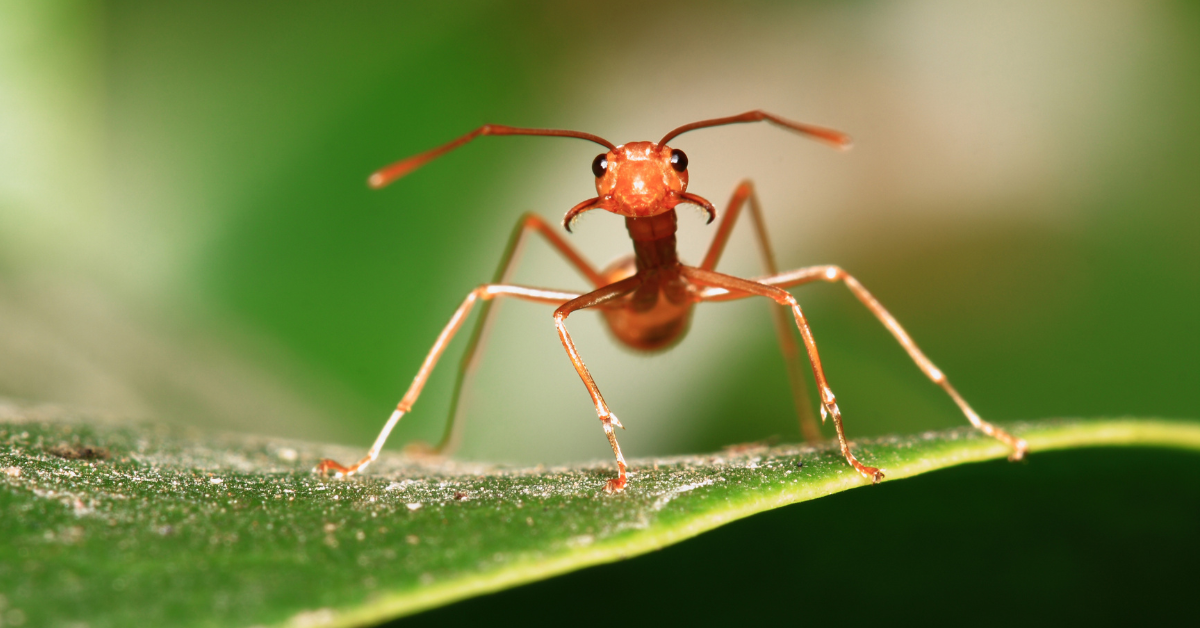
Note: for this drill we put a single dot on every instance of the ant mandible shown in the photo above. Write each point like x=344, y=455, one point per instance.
x=647, y=298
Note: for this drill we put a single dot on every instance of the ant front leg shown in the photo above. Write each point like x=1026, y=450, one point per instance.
x=742, y=196
x=736, y=288
x=528, y=223
x=834, y=274
x=607, y=418
x=486, y=292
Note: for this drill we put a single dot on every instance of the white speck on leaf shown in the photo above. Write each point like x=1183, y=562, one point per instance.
x=318, y=617
x=582, y=540
x=667, y=497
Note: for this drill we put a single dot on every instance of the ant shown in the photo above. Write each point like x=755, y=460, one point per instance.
x=647, y=298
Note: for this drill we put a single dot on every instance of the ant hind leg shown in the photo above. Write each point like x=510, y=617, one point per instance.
x=528, y=222
x=835, y=274
x=486, y=292
x=742, y=196
x=728, y=288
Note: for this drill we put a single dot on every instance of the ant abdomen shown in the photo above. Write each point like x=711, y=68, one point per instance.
x=655, y=317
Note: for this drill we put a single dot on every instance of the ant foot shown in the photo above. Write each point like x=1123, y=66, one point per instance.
x=326, y=465
x=616, y=484
x=1019, y=449
x=871, y=473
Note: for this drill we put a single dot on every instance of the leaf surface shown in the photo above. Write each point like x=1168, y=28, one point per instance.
x=115, y=525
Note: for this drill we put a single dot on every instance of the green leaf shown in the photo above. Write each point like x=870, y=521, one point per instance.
x=137, y=525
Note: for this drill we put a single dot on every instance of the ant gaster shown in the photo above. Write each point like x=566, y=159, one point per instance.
x=647, y=298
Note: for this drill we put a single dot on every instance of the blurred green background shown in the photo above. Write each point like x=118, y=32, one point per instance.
x=186, y=233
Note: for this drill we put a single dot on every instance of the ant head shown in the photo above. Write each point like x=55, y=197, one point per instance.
x=640, y=179
x=635, y=180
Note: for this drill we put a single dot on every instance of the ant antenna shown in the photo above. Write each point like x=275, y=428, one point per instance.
x=837, y=139
x=388, y=174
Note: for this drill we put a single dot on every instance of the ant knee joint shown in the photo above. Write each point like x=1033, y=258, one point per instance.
x=834, y=273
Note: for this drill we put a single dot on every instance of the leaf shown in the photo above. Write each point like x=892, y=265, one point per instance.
x=115, y=525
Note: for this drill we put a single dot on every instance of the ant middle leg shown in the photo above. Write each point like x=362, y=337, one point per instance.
x=742, y=196
x=607, y=419
x=810, y=274
x=729, y=288
x=486, y=293
x=529, y=222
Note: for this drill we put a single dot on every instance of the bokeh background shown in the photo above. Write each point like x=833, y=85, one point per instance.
x=186, y=234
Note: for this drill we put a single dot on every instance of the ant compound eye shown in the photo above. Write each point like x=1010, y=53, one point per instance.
x=600, y=165
x=678, y=160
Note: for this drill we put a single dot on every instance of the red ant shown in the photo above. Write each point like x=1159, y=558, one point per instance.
x=647, y=298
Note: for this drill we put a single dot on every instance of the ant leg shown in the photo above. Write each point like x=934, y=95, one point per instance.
x=486, y=293
x=508, y=262
x=787, y=342
x=832, y=274
x=607, y=418
x=734, y=288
